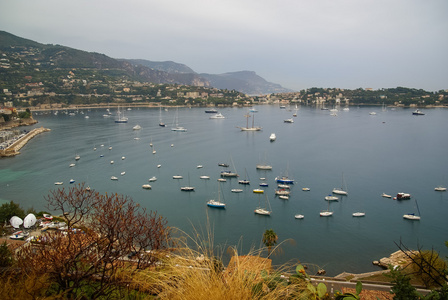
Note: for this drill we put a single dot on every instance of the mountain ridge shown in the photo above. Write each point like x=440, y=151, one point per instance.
x=170, y=72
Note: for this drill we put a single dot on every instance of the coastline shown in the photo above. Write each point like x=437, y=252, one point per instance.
x=13, y=149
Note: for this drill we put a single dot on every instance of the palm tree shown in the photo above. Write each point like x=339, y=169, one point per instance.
x=269, y=239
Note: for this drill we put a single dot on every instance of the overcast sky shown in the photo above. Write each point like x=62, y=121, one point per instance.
x=296, y=43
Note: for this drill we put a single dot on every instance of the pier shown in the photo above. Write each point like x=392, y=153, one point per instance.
x=14, y=148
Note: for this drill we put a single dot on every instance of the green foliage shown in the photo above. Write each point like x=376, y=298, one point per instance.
x=402, y=288
x=350, y=296
x=8, y=210
x=6, y=259
x=269, y=239
x=429, y=267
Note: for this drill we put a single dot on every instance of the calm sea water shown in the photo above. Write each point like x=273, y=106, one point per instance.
x=389, y=152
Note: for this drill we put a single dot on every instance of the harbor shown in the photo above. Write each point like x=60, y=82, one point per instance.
x=15, y=146
x=366, y=162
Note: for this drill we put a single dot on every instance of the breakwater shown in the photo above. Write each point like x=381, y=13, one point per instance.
x=14, y=148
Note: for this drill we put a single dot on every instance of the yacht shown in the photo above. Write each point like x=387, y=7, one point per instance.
x=272, y=137
x=218, y=116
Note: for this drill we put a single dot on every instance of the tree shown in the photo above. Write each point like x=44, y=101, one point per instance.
x=8, y=210
x=269, y=239
x=106, y=236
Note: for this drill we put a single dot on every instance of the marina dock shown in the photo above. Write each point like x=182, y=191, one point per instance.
x=14, y=148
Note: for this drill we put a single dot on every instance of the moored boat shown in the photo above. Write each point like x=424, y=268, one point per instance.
x=440, y=189
x=258, y=191
x=359, y=214
x=403, y=196
x=417, y=112
x=146, y=186
x=386, y=195
x=331, y=198
x=236, y=190
x=299, y=216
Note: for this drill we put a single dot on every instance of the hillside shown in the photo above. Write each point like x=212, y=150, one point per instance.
x=56, y=57
x=245, y=81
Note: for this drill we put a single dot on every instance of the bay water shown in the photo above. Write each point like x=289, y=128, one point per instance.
x=390, y=152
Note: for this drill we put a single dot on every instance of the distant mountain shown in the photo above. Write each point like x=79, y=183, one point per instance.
x=57, y=57
x=247, y=82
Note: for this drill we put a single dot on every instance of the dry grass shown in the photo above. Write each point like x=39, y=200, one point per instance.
x=193, y=272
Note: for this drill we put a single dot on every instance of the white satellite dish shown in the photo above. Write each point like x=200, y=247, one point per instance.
x=29, y=221
x=16, y=222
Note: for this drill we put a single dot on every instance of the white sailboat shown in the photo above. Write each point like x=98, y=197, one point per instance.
x=413, y=216
x=161, y=124
x=176, y=126
x=187, y=188
x=327, y=212
x=264, y=210
x=120, y=117
x=247, y=128
x=245, y=180
x=341, y=190
x=217, y=203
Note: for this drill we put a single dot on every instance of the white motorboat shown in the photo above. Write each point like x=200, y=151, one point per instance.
x=146, y=186
x=305, y=189
x=359, y=214
x=123, y=173
x=152, y=179
x=77, y=157
x=113, y=178
x=218, y=116
x=418, y=112
x=331, y=198
x=199, y=166
x=204, y=177
x=72, y=165
x=58, y=183
x=272, y=137
x=386, y=195
x=236, y=190
x=372, y=113
x=137, y=127
x=177, y=177
x=440, y=189
x=222, y=179
x=288, y=120
x=284, y=197
x=299, y=216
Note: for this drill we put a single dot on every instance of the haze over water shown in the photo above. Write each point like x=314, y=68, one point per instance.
x=390, y=152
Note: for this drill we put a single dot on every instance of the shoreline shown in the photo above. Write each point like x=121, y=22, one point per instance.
x=14, y=148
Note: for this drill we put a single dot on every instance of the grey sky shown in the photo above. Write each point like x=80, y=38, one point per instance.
x=296, y=43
